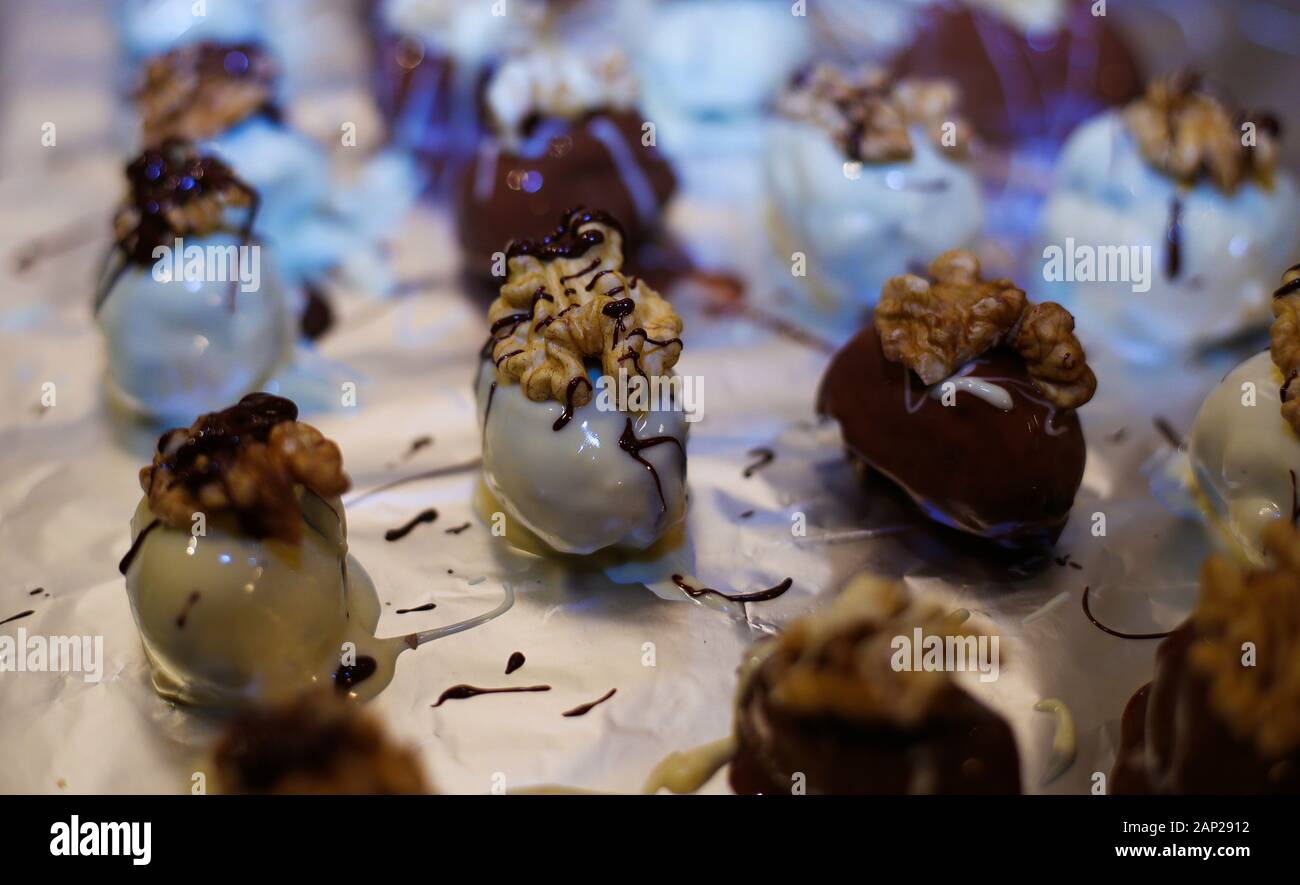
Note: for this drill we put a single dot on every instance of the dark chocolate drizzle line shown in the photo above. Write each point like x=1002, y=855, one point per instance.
x=135, y=547
x=19, y=616
x=584, y=709
x=420, y=442
x=427, y=607
x=567, y=414
x=514, y=662
x=1122, y=635
x=764, y=456
x=1283, y=391
x=164, y=179
x=37, y=592
x=1174, y=251
x=347, y=676
x=202, y=455
x=1289, y=288
x=1167, y=431
x=648, y=340
x=582, y=273
x=463, y=692
x=591, y=284
x=185, y=612
x=457, y=529
x=566, y=241
x=406, y=528
x=619, y=311
x=511, y=322
x=629, y=443
x=505, y=356
x=755, y=596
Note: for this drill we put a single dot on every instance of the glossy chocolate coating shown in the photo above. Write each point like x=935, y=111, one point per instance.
x=1172, y=742
x=1016, y=86
x=1006, y=476
x=564, y=165
x=964, y=746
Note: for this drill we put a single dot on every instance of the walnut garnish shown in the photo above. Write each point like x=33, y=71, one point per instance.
x=175, y=191
x=1186, y=132
x=869, y=116
x=316, y=744
x=1284, y=341
x=248, y=459
x=199, y=91
x=934, y=327
x=838, y=661
x=1238, y=605
x=566, y=300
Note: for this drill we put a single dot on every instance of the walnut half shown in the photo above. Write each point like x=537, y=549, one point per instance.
x=566, y=300
x=934, y=327
x=1284, y=342
x=247, y=459
x=1238, y=605
x=1186, y=132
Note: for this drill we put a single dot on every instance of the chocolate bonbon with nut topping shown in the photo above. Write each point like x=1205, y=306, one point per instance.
x=964, y=396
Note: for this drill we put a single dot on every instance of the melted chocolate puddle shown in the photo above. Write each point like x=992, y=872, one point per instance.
x=462, y=692
x=584, y=709
x=756, y=596
x=427, y=607
x=764, y=456
x=19, y=616
x=629, y=443
x=135, y=547
x=185, y=612
x=1102, y=627
x=405, y=529
x=515, y=661
x=347, y=676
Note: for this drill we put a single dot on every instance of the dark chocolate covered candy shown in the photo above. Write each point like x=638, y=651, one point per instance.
x=1009, y=476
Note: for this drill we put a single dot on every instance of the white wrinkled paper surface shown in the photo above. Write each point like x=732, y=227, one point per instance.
x=68, y=487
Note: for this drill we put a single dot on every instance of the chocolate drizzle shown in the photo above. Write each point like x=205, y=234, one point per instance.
x=619, y=310
x=463, y=692
x=19, y=616
x=567, y=414
x=1122, y=635
x=427, y=607
x=755, y=596
x=629, y=443
x=406, y=528
x=764, y=456
x=347, y=676
x=457, y=529
x=584, y=709
x=135, y=547
x=566, y=241
x=514, y=662
x=511, y=322
x=1174, y=236
x=164, y=182
x=185, y=612
x=204, y=454
x=1289, y=288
